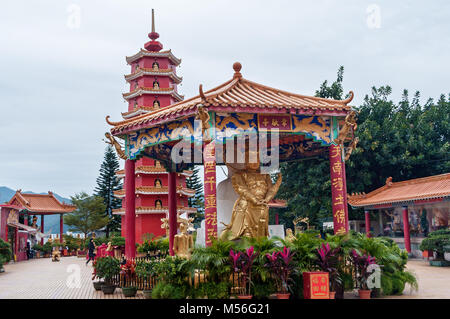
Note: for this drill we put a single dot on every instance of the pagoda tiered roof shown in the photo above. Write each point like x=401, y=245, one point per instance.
x=239, y=95
x=154, y=210
x=146, y=169
x=153, y=190
x=40, y=203
x=148, y=71
x=419, y=190
x=162, y=54
x=149, y=90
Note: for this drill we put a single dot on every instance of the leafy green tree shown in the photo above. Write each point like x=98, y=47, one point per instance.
x=403, y=140
x=88, y=216
x=107, y=183
x=198, y=200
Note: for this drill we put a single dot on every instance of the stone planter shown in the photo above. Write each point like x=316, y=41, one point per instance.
x=129, y=291
x=98, y=285
x=440, y=263
x=108, y=289
x=147, y=294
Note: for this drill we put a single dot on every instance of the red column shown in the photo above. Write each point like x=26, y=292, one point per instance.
x=172, y=210
x=406, y=229
x=337, y=190
x=367, y=215
x=130, y=213
x=25, y=219
x=347, y=227
x=61, y=223
x=209, y=162
x=42, y=228
x=276, y=219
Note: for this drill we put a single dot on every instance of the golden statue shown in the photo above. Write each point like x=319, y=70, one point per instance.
x=250, y=217
x=349, y=125
x=165, y=225
x=34, y=223
x=203, y=115
x=156, y=104
x=158, y=183
x=351, y=148
x=155, y=66
x=183, y=243
x=289, y=235
x=155, y=85
x=113, y=142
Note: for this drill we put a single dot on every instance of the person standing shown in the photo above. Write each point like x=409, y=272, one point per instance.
x=91, y=249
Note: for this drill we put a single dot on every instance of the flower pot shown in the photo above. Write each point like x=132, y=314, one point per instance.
x=147, y=294
x=129, y=291
x=283, y=296
x=98, y=285
x=332, y=294
x=364, y=294
x=245, y=297
x=108, y=289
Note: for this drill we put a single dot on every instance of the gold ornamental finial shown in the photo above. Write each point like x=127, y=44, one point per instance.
x=153, y=20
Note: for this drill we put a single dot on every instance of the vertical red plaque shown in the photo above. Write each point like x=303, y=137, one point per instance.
x=209, y=162
x=338, y=190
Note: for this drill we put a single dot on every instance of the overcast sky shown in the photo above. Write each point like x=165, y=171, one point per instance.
x=62, y=73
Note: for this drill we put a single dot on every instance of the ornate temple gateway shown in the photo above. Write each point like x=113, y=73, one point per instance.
x=153, y=86
x=250, y=128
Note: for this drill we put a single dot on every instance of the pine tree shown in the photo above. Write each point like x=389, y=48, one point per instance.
x=107, y=183
x=198, y=200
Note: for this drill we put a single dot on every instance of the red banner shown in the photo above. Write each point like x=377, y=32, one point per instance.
x=271, y=121
x=338, y=190
x=209, y=165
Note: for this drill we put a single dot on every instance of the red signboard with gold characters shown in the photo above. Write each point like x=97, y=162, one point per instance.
x=210, y=193
x=274, y=121
x=338, y=190
x=316, y=285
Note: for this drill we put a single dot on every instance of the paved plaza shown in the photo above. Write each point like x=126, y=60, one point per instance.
x=44, y=279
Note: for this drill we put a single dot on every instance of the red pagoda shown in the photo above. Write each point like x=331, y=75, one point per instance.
x=153, y=85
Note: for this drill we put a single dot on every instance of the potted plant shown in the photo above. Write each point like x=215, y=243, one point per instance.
x=327, y=261
x=129, y=274
x=280, y=263
x=438, y=242
x=362, y=263
x=47, y=249
x=107, y=268
x=242, y=263
x=97, y=284
x=145, y=270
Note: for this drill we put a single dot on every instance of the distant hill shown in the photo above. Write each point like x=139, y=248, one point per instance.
x=51, y=222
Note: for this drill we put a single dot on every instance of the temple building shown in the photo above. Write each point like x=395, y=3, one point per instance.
x=153, y=85
x=406, y=211
x=14, y=225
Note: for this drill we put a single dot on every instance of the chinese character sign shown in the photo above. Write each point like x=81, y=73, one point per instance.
x=338, y=201
x=209, y=162
x=316, y=285
x=269, y=122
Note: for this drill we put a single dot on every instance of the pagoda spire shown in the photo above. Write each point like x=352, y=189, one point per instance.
x=153, y=45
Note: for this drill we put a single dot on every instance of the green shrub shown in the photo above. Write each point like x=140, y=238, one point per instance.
x=107, y=268
x=437, y=242
x=168, y=291
x=5, y=252
x=117, y=241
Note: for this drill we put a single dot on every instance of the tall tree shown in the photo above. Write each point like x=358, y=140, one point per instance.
x=88, y=216
x=107, y=183
x=403, y=140
x=198, y=200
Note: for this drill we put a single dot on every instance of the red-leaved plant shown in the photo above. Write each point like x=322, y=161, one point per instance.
x=327, y=261
x=281, y=266
x=128, y=270
x=243, y=262
x=361, y=263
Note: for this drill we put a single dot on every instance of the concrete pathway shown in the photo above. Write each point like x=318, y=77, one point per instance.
x=43, y=279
